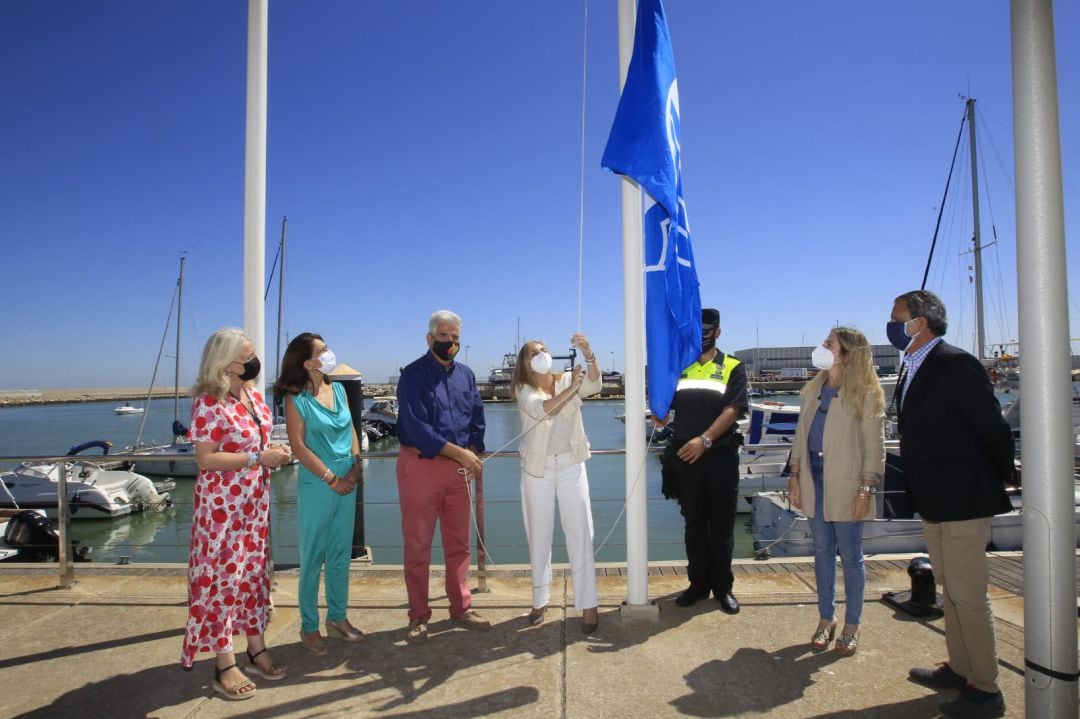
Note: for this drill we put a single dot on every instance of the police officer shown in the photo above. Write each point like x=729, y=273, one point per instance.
x=703, y=460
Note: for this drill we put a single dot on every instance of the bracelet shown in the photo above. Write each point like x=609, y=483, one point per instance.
x=325, y=474
x=591, y=359
x=253, y=458
x=333, y=482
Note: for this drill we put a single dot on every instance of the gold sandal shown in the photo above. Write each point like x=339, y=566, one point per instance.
x=847, y=644
x=823, y=637
x=343, y=630
x=237, y=691
x=274, y=673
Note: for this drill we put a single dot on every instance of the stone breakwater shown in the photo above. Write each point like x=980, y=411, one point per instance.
x=24, y=397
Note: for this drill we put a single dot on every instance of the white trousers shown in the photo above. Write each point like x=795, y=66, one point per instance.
x=565, y=479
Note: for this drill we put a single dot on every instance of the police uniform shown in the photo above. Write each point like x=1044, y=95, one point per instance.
x=708, y=488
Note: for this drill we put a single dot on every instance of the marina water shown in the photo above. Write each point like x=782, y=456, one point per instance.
x=164, y=536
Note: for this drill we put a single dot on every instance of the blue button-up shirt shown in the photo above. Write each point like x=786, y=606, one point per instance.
x=912, y=363
x=438, y=404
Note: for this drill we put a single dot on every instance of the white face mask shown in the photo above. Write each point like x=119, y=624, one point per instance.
x=541, y=363
x=822, y=357
x=327, y=362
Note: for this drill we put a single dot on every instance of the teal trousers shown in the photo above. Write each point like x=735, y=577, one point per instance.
x=326, y=529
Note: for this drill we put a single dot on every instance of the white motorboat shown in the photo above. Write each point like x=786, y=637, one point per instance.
x=128, y=409
x=93, y=493
x=782, y=531
x=504, y=373
x=380, y=419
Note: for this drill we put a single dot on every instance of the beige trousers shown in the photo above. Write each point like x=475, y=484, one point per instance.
x=958, y=555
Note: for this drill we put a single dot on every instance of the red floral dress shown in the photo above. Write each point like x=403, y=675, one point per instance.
x=228, y=586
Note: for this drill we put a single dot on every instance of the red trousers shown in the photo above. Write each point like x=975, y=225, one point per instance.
x=432, y=490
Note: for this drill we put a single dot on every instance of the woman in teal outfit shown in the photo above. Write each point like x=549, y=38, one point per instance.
x=323, y=439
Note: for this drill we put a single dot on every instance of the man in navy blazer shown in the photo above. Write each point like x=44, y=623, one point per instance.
x=958, y=456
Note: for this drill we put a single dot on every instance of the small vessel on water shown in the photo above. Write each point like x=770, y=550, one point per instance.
x=380, y=419
x=93, y=493
x=779, y=530
x=126, y=408
x=180, y=453
x=504, y=373
x=27, y=535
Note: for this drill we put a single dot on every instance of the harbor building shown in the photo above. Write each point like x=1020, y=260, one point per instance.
x=792, y=362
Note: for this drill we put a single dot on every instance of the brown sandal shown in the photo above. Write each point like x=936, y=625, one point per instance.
x=343, y=630
x=312, y=643
x=237, y=691
x=274, y=673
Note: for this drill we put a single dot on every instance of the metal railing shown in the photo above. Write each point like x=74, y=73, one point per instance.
x=65, y=555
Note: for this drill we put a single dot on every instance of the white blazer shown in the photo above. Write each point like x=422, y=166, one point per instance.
x=533, y=448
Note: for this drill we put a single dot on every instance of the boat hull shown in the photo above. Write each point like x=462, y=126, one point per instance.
x=781, y=531
x=93, y=493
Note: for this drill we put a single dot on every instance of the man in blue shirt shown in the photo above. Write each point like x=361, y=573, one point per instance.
x=441, y=430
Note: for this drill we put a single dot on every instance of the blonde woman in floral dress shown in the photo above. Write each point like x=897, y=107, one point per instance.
x=228, y=584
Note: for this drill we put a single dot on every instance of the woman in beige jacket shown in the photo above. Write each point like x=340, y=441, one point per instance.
x=841, y=438
x=553, y=454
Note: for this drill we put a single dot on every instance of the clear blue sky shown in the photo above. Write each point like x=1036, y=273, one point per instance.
x=427, y=156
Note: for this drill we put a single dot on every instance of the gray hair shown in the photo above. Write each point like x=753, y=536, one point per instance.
x=441, y=317
x=221, y=350
x=923, y=303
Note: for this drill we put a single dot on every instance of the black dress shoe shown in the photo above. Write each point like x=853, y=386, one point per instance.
x=728, y=603
x=975, y=704
x=943, y=677
x=690, y=597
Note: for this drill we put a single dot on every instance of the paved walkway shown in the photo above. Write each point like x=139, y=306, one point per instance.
x=110, y=647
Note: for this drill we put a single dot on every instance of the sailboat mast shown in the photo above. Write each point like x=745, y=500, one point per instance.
x=280, y=300
x=980, y=330
x=176, y=364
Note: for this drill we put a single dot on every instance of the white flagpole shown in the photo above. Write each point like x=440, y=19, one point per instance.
x=1050, y=640
x=255, y=182
x=637, y=528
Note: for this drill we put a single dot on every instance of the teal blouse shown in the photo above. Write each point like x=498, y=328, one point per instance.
x=327, y=433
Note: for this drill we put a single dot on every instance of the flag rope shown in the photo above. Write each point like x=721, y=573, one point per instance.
x=581, y=181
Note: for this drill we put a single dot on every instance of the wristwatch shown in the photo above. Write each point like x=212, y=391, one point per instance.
x=867, y=489
x=706, y=441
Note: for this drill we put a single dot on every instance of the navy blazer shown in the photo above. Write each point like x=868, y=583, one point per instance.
x=956, y=448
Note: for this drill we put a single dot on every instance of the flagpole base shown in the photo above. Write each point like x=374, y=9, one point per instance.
x=639, y=612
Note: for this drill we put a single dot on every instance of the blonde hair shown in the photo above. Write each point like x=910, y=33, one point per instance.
x=858, y=378
x=221, y=350
x=523, y=370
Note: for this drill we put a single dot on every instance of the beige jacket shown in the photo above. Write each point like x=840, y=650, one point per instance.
x=854, y=454
x=533, y=448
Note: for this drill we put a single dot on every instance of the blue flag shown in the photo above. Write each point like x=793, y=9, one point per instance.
x=644, y=146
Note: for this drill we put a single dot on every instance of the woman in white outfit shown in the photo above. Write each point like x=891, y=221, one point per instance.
x=553, y=453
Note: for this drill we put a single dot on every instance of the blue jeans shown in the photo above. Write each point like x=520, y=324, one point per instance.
x=828, y=537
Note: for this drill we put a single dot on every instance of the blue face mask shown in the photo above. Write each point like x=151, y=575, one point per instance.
x=897, y=334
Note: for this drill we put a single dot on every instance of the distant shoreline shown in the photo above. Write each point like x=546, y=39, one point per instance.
x=35, y=397
x=31, y=397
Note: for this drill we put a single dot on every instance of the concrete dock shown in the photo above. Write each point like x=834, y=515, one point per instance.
x=110, y=647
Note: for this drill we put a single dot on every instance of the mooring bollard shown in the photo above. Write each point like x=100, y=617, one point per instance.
x=922, y=600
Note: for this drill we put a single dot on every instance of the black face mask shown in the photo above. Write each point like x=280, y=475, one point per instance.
x=251, y=369
x=445, y=350
x=708, y=341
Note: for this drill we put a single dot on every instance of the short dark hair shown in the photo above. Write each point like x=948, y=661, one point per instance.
x=923, y=303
